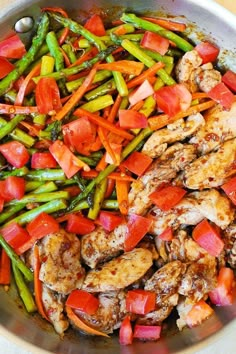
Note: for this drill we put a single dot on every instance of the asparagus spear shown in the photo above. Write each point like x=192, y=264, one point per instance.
x=9, y=126
x=46, y=175
x=98, y=199
x=39, y=198
x=19, y=172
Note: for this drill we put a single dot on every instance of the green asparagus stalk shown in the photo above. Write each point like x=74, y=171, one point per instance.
x=17, y=134
x=9, y=212
x=98, y=199
x=101, y=75
x=54, y=49
x=98, y=103
x=40, y=198
x=10, y=126
x=70, y=53
x=19, y=172
x=107, y=87
x=46, y=175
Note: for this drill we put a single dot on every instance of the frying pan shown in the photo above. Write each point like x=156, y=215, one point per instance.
x=218, y=25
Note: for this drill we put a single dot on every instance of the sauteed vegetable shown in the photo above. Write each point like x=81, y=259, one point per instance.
x=117, y=187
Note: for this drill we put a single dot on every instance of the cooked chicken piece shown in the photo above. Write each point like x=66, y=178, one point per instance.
x=162, y=170
x=119, y=272
x=100, y=246
x=110, y=313
x=54, y=305
x=183, y=309
x=213, y=169
x=174, y=132
x=61, y=269
x=165, y=281
x=206, y=77
x=186, y=65
x=220, y=126
x=230, y=245
x=191, y=210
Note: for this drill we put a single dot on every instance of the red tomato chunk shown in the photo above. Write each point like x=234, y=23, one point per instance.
x=229, y=79
x=207, y=51
x=15, y=153
x=155, y=42
x=6, y=67
x=42, y=160
x=137, y=228
x=42, y=225
x=167, y=197
x=198, y=313
x=221, y=94
x=126, y=333
x=47, y=95
x=79, y=225
x=15, y=235
x=230, y=189
x=109, y=220
x=12, y=47
x=132, y=119
x=83, y=301
x=222, y=295
x=147, y=332
x=137, y=163
x=140, y=301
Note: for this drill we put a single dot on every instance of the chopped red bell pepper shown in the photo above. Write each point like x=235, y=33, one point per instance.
x=140, y=301
x=47, y=96
x=79, y=224
x=130, y=119
x=109, y=220
x=12, y=47
x=143, y=91
x=95, y=25
x=229, y=79
x=137, y=227
x=221, y=94
x=15, y=153
x=155, y=42
x=15, y=235
x=167, y=197
x=41, y=160
x=137, y=163
x=198, y=313
x=166, y=235
x=126, y=333
x=230, y=189
x=6, y=67
x=208, y=237
x=207, y=51
x=222, y=295
x=83, y=301
x=173, y=99
x=143, y=332
x=42, y=225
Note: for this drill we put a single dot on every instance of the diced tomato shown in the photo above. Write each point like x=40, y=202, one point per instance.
x=173, y=99
x=79, y=134
x=40, y=160
x=137, y=163
x=110, y=188
x=198, y=313
x=208, y=237
x=130, y=119
x=221, y=94
x=95, y=25
x=117, y=148
x=1, y=204
x=3, y=192
x=15, y=235
x=207, y=51
x=137, y=227
x=79, y=224
x=126, y=333
x=229, y=79
x=65, y=158
x=222, y=295
x=109, y=220
x=12, y=47
x=47, y=95
x=15, y=153
x=147, y=332
x=140, y=301
x=230, y=189
x=155, y=42
x=166, y=235
x=83, y=301
x=15, y=187
x=73, y=190
x=5, y=67
x=167, y=197
x=42, y=225
x=143, y=91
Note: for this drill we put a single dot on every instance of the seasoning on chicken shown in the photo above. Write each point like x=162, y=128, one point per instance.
x=61, y=269
x=119, y=272
x=230, y=245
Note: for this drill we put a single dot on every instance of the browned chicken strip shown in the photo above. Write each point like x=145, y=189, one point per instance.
x=61, y=269
x=230, y=245
x=119, y=272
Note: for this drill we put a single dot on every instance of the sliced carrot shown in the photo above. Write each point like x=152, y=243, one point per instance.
x=77, y=95
x=101, y=165
x=167, y=24
x=81, y=325
x=38, y=285
x=5, y=268
x=103, y=123
x=33, y=130
x=10, y=109
x=21, y=93
x=145, y=75
x=105, y=142
x=124, y=66
x=96, y=145
x=120, y=30
x=122, y=189
x=86, y=56
x=137, y=106
x=162, y=120
x=199, y=95
x=114, y=109
x=117, y=176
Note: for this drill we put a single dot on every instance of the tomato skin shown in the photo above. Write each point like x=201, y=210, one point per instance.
x=12, y=47
x=47, y=95
x=126, y=333
x=15, y=153
x=40, y=160
x=79, y=224
x=6, y=67
x=15, y=235
x=155, y=42
x=147, y=332
x=15, y=187
x=198, y=313
x=221, y=94
x=109, y=220
x=229, y=79
x=208, y=238
x=222, y=295
x=95, y=25
x=130, y=119
x=230, y=189
x=137, y=163
x=42, y=225
x=140, y=301
x=83, y=301
x=207, y=51
x=173, y=99
x=167, y=197
x=137, y=227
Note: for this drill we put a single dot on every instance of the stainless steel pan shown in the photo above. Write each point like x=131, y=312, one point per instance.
x=206, y=17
